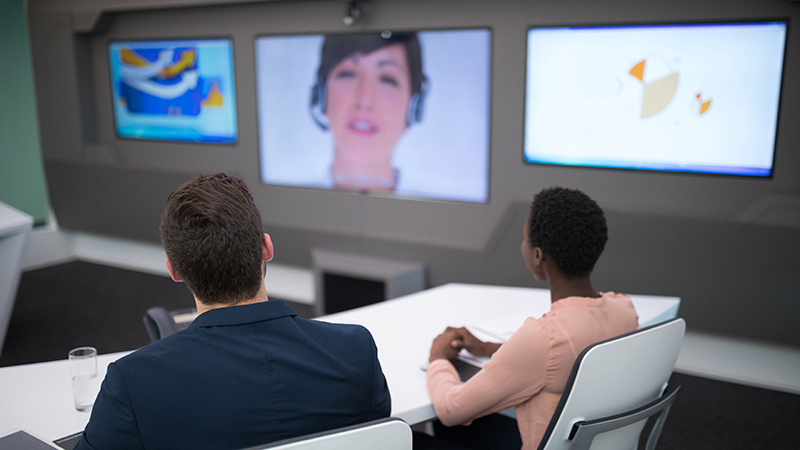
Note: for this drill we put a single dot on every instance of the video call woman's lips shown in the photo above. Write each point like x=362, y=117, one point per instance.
x=362, y=127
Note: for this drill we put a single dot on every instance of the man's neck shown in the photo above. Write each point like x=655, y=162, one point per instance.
x=261, y=296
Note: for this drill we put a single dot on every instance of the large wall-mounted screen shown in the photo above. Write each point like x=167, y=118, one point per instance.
x=683, y=98
x=174, y=90
x=396, y=113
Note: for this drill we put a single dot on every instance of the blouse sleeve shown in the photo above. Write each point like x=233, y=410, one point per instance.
x=514, y=374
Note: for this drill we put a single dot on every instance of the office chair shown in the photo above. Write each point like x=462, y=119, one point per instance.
x=161, y=323
x=390, y=433
x=614, y=387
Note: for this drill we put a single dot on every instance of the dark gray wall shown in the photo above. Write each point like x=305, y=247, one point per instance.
x=727, y=245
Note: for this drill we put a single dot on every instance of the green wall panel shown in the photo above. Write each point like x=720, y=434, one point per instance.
x=22, y=182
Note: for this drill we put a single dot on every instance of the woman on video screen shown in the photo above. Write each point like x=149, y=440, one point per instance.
x=369, y=90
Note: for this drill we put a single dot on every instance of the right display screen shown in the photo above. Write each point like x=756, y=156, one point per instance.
x=681, y=98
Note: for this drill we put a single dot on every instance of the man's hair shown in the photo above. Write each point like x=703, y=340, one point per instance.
x=570, y=228
x=338, y=47
x=212, y=233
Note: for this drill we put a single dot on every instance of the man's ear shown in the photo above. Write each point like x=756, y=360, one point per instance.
x=172, y=273
x=266, y=248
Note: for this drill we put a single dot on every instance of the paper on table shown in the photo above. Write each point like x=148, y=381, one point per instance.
x=69, y=442
x=499, y=330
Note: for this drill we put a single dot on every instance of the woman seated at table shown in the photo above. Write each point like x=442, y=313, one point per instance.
x=563, y=237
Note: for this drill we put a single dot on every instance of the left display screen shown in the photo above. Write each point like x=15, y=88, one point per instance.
x=174, y=90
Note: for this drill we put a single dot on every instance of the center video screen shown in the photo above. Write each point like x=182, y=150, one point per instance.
x=697, y=98
x=390, y=113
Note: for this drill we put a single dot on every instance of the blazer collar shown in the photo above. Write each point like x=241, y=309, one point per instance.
x=241, y=314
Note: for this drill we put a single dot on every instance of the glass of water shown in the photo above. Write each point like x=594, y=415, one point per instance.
x=83, y=367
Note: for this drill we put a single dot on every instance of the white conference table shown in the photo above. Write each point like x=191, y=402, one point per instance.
x=38, y=397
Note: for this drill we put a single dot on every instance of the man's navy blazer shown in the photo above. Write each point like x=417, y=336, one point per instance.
x=238, y=377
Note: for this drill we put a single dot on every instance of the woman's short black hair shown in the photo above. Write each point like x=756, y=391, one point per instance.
x=570, y=228
x=338, y=47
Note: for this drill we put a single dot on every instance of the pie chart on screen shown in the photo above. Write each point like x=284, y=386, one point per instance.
x=657, y=94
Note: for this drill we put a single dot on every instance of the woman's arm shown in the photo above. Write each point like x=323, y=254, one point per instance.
x=514, y=374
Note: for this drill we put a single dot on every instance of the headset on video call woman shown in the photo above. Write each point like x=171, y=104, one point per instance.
x=318, y=96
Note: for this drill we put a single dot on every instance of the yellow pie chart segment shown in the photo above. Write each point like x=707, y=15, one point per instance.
x=658, y=94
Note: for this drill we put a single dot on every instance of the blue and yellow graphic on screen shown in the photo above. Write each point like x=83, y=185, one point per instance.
x=174, y=90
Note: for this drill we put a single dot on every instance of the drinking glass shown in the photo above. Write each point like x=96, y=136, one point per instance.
x=83, y=367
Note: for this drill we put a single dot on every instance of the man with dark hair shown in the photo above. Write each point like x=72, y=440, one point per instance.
x=563, y=237
x=248, y=370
